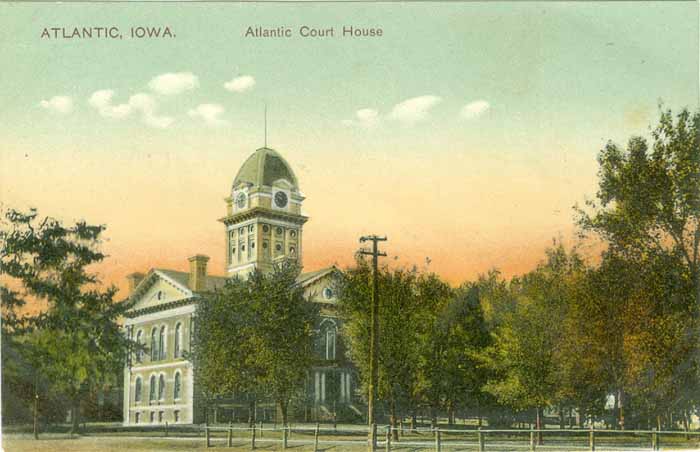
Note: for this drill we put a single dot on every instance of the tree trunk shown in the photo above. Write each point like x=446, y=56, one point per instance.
x=75, y=416
x=621, y=408
x=538, y=425
x=36, y=408
x=413, y=421
x=561, y=417
x=251, y=413
x=433, y=417
x=283, y=409
x=392, y=420
x=451, y=414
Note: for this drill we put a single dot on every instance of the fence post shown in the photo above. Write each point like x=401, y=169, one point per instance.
x=316, y=438
x=252, y=436
x=654, y=439
x=166, y=429
x=401, y=428
x=285, y=435
x=206, y=434
x=230, y=433
x=532, y=439
x=387, y=445
x=437, y=439
x=261, y=429
x=480, y=438
x=591, y=438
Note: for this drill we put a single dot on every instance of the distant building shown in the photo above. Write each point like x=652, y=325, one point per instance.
x=263, y=225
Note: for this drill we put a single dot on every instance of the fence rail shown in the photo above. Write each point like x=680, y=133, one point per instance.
x=438, y=438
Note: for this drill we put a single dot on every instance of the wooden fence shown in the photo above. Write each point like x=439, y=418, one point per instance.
x=438, y=439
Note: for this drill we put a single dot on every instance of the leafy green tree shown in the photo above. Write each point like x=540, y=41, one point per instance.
x=399, y=306
x=523, y=355
x=648, y=202
x=256, y=337
x=450, y=368
x=647, y=210
x=76, y=339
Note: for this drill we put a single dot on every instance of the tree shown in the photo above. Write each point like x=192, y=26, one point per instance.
x=397, y=351
x=76, y=340
x=450, y=368
x=523, y=355
x=647, y=211
x=648, y=202
x=255, y=337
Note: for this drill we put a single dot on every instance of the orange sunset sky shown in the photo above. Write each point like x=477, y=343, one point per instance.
x=466, y=133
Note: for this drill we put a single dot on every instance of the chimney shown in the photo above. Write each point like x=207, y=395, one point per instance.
x=198, y=272
x=134, y=280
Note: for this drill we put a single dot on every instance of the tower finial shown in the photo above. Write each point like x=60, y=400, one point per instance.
x=265, y=124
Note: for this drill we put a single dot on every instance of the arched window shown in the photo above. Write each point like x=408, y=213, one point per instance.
x=161, y=343
x=330, y=342
x=137, y=390
x=176, y=386
x=161, y=387
x=326, y=340
x=139, y=342
x=154, y=345
x=152, y=388
x=178, y=332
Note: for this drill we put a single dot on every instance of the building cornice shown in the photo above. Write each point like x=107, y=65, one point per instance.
x=162, y=307
x=261, y=212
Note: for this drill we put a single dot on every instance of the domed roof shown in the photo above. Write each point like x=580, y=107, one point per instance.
x=264, y=167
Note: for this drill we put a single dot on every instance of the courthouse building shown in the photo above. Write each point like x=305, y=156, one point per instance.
x=263, y=225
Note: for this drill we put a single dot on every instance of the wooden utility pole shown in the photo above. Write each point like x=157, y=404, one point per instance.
x=374, y=335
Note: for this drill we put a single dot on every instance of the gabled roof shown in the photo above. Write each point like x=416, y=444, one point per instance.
x=211, y=283
x=215, y=282
x=309, y=277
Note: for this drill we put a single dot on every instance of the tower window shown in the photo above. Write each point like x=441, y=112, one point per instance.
x=327, y=293
x=265, y=245
x=292, y=250
x=241, y=231
x=250, y=228
x=242, y=247
x=279, y=230
x=266, y=228
x=292, y=233
x=278, y=247
x=252, y=245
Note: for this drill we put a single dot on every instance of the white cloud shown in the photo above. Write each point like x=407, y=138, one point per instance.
x=414, y=109
x=139, y=102
x=102, y=101
x=474, y=109
x=58, y=104
x=240, y=84
x=365, y=117
x=146, y=104
x=173, y=83
x=209, y=113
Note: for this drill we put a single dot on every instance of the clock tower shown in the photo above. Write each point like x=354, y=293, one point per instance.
x=263, y=220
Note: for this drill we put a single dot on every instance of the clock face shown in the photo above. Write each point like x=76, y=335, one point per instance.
x=281, y=199
x=240, y=200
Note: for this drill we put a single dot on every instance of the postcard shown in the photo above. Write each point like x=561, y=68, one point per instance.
x=463, y=225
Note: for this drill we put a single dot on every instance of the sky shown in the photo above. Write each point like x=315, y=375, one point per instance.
x=466, y=133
